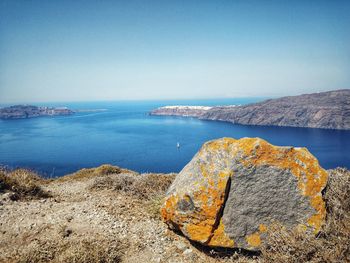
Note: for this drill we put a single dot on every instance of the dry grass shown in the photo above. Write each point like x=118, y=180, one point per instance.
x=105, y=169
x=142, y=186
x=154, y=205
x=86, y=250
x=333, y=242
x=23, y=183
x=150, y=188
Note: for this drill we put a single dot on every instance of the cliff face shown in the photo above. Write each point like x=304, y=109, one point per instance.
x=28, y=111
x=328, y=110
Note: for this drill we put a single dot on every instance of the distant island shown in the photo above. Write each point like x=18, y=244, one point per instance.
x=327, y=110
x=29, y=111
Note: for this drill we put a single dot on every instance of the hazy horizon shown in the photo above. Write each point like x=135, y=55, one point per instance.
x=48, y=102
x=171, y=100
x=76, y=51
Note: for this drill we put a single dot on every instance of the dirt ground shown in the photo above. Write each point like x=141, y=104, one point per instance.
x=109, y=214
x=90, y=210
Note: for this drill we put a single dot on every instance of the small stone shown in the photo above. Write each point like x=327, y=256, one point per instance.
x=13, y=196
x=67, y=232
x=187, y=252
x=180, y=245
x=5, y=196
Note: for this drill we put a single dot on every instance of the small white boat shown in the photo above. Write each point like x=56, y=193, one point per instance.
x=178, y=145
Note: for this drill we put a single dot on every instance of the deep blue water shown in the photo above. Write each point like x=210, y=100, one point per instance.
x=125, y=135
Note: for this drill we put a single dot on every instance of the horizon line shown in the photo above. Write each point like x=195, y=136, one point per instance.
x=134, y=100
x=161, y=99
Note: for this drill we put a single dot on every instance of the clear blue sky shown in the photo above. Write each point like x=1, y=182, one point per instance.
x=115, y=50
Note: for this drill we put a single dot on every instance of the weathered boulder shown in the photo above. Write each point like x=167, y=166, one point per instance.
x=232, y=190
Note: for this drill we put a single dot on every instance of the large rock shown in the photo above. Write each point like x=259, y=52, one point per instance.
x=232, y=190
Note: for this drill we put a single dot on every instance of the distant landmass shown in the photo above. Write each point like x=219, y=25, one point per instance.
x=29, y=111
x=327, y=110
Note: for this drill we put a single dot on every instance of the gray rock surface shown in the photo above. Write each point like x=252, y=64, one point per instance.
x=261, y=195
x=233, y=190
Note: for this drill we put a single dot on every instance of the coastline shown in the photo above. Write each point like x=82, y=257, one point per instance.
x=325, y=110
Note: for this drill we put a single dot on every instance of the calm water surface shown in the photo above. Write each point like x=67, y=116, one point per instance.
x=125, y=135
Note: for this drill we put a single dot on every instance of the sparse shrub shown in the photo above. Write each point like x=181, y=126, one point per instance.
x=337, y=198
x=142, y=186
x=105, y=169
x=151, y=185
x=87, y=250
x=154, y=205
x=23, y=183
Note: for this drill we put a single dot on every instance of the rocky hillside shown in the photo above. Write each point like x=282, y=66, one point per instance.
x=108, y=214
x=28, y=111
x=328, y=110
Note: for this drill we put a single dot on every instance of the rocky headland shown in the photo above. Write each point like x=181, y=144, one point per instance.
x=327, y=110
x=29, y=111
x=236, y=201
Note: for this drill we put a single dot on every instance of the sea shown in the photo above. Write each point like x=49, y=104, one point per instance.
x=123, y=133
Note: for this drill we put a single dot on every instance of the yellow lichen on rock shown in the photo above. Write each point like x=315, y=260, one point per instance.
x=254, y=240
x=195, y=202
x=168, y=210
x=200, y=231
x=211, y=199
x=208, y=193
x=312, y=178
x=220, y=238
x=262, y=228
